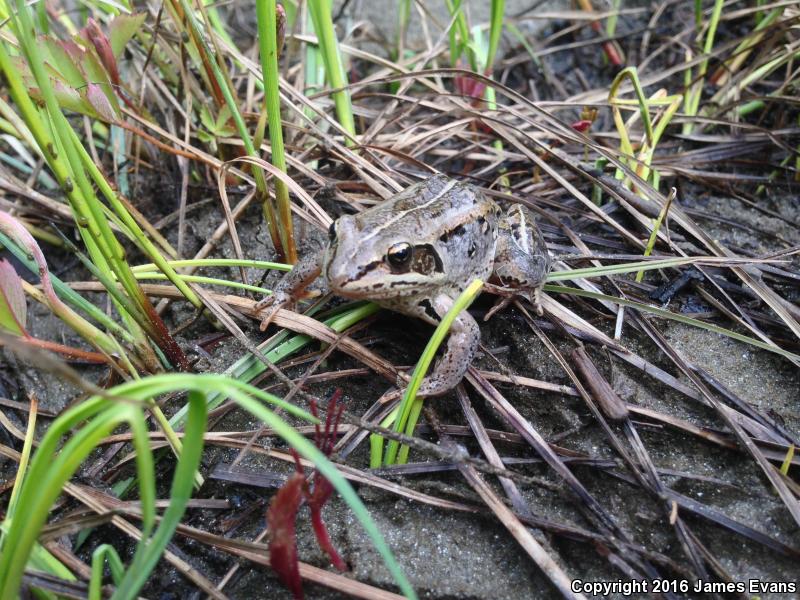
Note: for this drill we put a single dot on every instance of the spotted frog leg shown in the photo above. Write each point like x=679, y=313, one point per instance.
x=521, y=259
x=290, y=288
x=462, y=344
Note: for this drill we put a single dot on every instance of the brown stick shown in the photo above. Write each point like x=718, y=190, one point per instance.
x=611, y=404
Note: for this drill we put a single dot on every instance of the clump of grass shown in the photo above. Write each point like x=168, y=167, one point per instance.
x=640, y=161
x=41, y=484
x=73, y=167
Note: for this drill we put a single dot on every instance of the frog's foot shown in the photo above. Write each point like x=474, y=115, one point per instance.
x=500, y=304
x=535, y=298
x=507, y=294
x=436, y=386
x=270, y=306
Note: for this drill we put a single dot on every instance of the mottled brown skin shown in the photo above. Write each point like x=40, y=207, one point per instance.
x=521, y=259
x=416, y=253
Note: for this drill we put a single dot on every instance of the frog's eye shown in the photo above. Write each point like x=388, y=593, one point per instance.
x=399, y=255
x=332, y=232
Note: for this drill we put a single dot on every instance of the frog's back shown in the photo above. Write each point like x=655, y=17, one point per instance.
x=436, y=200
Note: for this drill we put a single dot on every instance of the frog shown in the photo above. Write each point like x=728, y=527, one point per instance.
x=416, y=252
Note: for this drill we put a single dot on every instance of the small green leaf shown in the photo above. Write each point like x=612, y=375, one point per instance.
x=63, y=60
x=204, y=137
x=205, y=117
x=68, y=99
x=122, y=29
x=224, y=125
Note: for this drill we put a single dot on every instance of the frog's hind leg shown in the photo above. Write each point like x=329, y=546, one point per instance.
x=462, y=344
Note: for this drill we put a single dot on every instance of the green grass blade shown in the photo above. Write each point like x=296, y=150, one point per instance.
x=268, y=49
x=322, y=17
x=102, y=554
x=404, y=422
x=182, y=485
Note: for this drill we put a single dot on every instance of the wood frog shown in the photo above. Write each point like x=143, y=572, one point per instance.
x=415, y=253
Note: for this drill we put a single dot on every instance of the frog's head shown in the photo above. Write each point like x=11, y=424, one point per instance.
x=369, y=257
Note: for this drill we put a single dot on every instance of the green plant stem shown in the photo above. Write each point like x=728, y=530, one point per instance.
x=321, y=15
x=102, y=554
x=651, y=242
x=268, y=47
x=22, y=466
x=460, y=31
x=207, y=280
x=495, y=32
x=630, y=73
x=695, y=92
x=216, y=262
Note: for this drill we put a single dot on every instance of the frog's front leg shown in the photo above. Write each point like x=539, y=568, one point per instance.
x=290, y=288
x=462, y=344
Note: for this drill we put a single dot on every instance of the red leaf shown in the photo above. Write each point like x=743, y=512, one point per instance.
x=103, y=48
x=469, y=87
x=322, y=491
x=282, y=512
x=582, y=125
x=612, y=53
x=281, y=516
x=13, y=309
x=316, y=500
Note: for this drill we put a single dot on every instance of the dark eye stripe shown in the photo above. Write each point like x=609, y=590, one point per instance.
x=455, y=232
x=426, y=260
x=365, y=269
x=429, y=310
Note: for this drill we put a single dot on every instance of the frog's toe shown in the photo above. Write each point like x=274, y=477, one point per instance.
x=267, y=317
x=264, y=303
x=535, y=297
x=447, y=374
x=268, y=307
x=500, y=304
